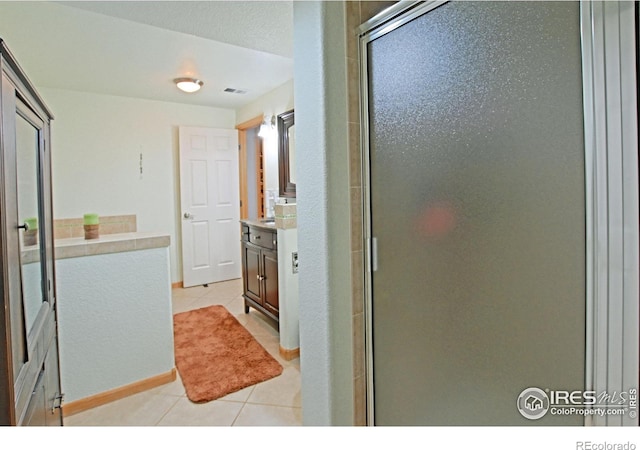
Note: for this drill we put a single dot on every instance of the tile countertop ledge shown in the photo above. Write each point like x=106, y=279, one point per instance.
x=107, y=243
x=110, y=243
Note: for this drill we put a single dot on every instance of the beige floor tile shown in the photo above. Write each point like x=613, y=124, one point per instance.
x=206, y=300
x=187, y=413
x=175, y=388
x=191, y=292
x=272, y=345
x=283, y=390
x=257, y=324
x=182, y=304
x=221, y=293
x=225, y=289
x=143, y=409
x=239, y=396
x=265, y=415
x=236, y=306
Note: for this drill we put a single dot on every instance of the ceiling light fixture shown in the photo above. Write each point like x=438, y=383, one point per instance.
x=188, y=84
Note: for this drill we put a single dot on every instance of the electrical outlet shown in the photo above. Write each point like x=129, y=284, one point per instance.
x=294, y=262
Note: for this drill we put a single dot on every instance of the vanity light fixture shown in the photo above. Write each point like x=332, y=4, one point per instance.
x=267, y=127
x=188, y=84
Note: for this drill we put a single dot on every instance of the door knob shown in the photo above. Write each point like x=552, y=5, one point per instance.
x=24, y=226
x=187, y=215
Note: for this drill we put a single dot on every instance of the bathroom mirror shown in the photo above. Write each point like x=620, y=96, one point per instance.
x=287, y=154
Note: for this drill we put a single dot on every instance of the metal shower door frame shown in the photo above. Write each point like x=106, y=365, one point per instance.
x=611, y=190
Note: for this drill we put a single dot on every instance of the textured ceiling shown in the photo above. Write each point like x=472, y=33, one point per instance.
x=260, y=25
x=73, y=48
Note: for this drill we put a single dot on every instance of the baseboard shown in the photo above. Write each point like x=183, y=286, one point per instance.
x=76, y=406
x=289, y=354
x=176, y=285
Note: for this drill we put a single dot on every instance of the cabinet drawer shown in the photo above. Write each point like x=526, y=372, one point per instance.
x=244, y=231
x=262, y=238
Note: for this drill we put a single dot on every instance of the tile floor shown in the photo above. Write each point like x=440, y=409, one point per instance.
x=274, y=402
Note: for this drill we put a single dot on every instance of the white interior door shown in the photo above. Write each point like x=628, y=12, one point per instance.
x=210, y=200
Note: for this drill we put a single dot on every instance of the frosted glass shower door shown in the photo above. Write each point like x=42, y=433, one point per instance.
x=477, y=208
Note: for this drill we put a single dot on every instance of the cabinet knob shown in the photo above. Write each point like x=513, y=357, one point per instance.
x=260, y=277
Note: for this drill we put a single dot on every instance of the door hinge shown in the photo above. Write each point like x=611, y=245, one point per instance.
x=57, y=402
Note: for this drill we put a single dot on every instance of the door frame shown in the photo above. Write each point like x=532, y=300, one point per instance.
x=611, y=186
x=242, y=141
x=611, y=146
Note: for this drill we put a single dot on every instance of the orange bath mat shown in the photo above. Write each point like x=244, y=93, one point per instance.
x=216, y=356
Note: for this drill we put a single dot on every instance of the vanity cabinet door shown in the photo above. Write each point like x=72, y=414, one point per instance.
x=252, y=272
x=260, y=270
x=270, y=270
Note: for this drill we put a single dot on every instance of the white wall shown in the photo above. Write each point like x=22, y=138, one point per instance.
x=115, y=320
x=323, y=212
x=273, y=103
x=96, y=146
x=289, y=323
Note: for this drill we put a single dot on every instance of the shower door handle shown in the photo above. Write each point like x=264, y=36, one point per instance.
x=374, y=255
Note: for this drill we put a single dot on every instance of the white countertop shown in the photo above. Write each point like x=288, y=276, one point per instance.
x=258, y=223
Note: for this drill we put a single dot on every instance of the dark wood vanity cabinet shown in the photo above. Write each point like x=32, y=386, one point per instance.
x=260, y=269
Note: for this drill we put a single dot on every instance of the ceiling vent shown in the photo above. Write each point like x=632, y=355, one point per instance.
x=235, y=91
